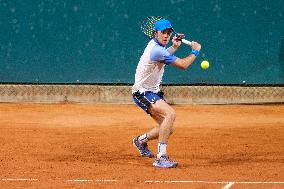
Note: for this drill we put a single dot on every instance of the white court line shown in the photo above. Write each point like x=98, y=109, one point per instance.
x=229, y=185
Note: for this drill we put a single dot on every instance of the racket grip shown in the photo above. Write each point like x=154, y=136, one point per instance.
x=186, y=42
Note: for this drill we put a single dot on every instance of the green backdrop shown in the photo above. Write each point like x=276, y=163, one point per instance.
x=99, y=41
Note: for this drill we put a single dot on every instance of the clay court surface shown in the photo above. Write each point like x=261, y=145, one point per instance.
x=89, y=146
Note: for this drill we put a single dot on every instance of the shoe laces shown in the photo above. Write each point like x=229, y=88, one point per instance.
x=165, y=158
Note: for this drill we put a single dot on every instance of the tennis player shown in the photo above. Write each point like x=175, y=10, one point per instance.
x=147, y=95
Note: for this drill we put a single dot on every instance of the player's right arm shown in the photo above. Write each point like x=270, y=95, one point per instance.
x=184, y=63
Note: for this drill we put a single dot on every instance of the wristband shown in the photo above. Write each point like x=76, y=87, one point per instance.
x=195, y=52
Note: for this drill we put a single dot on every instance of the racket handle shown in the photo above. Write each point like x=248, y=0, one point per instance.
x=186, y=42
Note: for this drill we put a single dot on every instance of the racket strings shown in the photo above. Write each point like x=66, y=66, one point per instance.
x=147, y=26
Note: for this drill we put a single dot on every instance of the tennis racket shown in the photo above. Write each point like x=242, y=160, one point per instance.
x=148, y=28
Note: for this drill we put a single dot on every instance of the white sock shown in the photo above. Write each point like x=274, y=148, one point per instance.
x=162, y=149
x=143, y=138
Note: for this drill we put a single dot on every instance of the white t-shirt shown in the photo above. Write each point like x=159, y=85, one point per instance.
x=150, y=69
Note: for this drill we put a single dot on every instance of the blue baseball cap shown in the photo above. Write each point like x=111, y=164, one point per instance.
x=163, y=24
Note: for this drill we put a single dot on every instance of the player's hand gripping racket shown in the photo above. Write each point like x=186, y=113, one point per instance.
x=148, y=28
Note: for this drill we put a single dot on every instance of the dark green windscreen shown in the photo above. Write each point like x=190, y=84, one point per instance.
x=84, y=41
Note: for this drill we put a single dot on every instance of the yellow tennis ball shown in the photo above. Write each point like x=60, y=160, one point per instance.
x=204, y=64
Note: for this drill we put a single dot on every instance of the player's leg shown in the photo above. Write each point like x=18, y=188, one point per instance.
x=166, y=116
